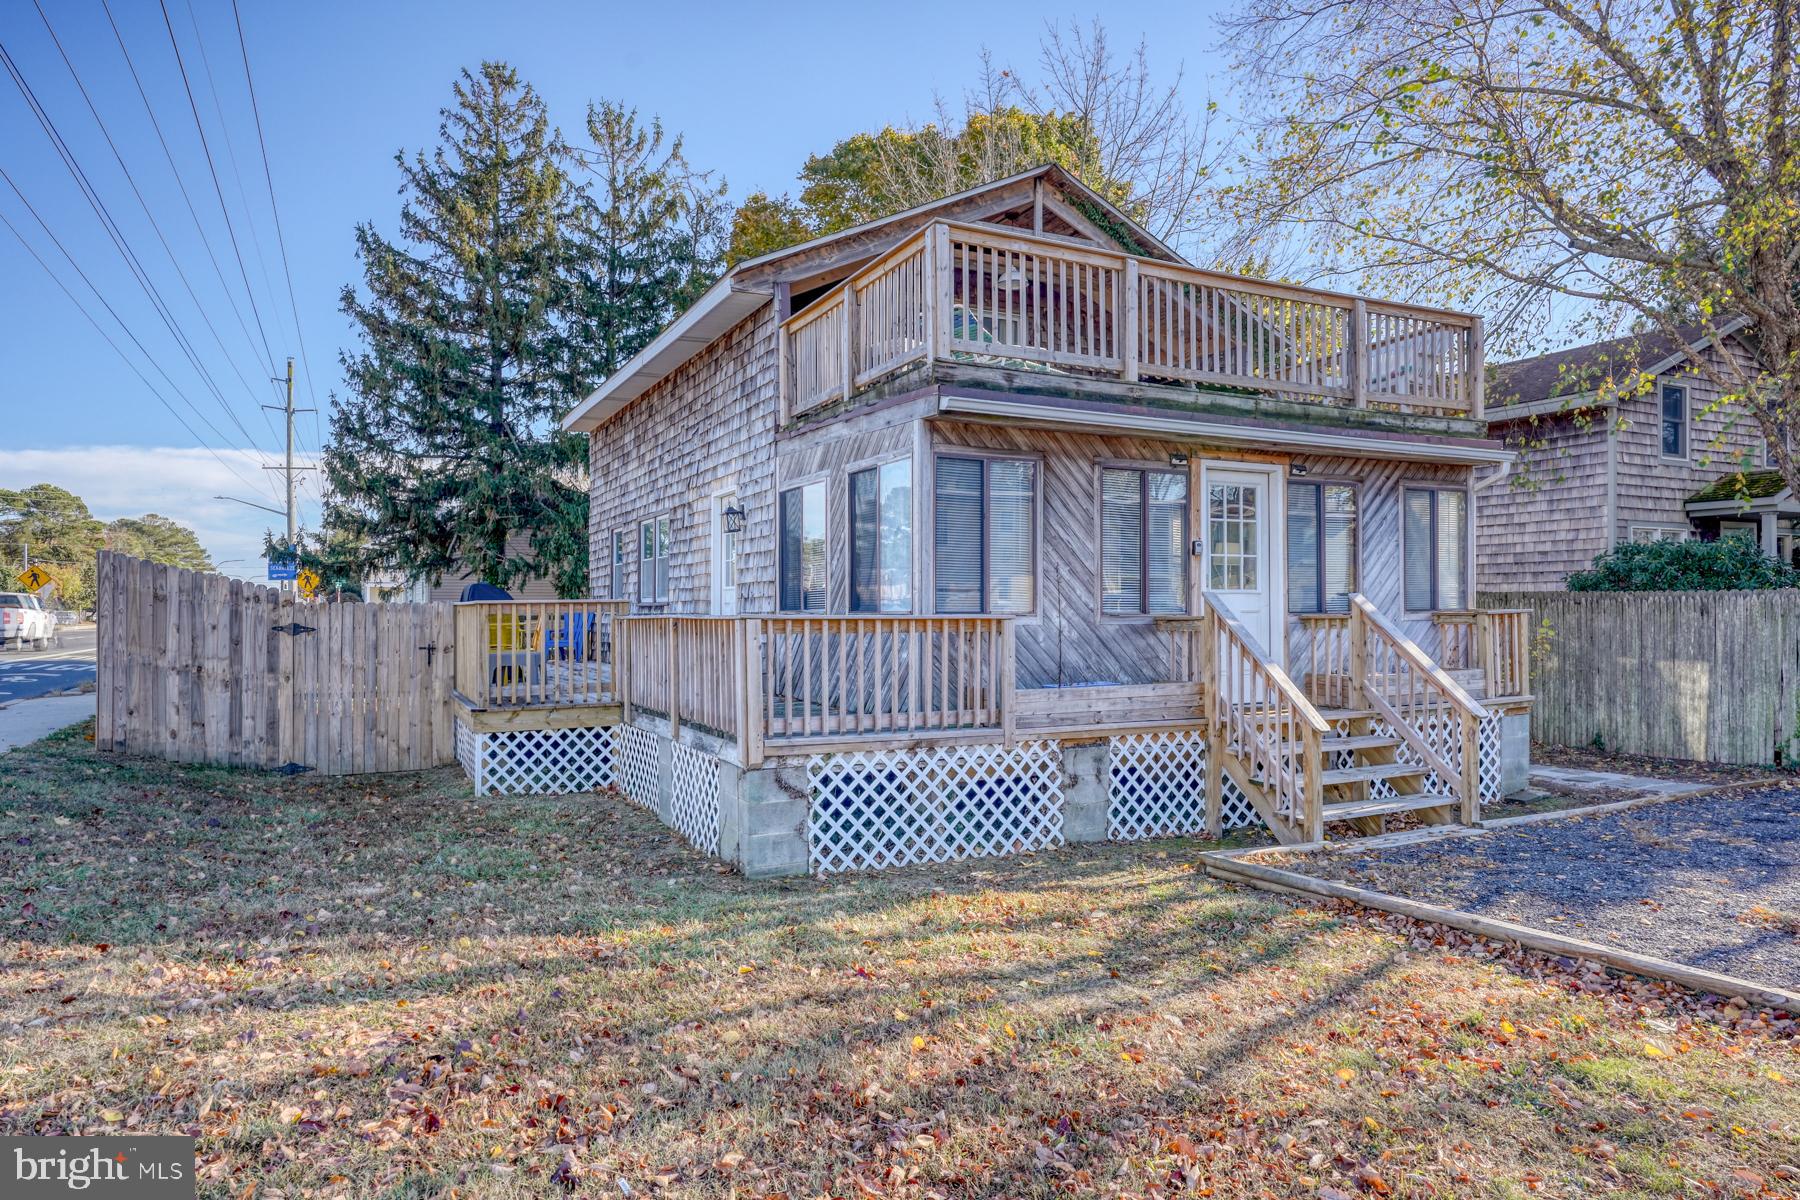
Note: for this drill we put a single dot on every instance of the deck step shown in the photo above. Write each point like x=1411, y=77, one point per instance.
x=1361, y=741
x=1352, y=809
x=1346, y=714
x=1370, y=773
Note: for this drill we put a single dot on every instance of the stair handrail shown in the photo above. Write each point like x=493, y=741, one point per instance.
x=1266, y=724
x=1430, y=678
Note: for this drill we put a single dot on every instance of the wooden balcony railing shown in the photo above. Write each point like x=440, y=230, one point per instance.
x=528, y=654
x=982, y=293
x=688, y=669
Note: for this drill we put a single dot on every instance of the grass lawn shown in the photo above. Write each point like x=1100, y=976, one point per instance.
x=381, y=987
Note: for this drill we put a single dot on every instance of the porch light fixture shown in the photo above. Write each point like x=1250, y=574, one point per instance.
x=734, y=519
x=1298, y=470
x=1178, y=460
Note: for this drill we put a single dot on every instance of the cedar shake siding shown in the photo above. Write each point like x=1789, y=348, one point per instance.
x=707, y=429
x=1554, y=515
x=1548, y=517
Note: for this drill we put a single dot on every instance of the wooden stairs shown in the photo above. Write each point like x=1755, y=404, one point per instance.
x=1374, y=758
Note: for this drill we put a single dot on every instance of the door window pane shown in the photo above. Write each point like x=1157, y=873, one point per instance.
x=1233, y=536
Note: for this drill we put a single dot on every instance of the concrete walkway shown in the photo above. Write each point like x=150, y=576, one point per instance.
x=1579, y=778
x=25, y=721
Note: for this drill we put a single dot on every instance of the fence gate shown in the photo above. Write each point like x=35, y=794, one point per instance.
x=199, y=668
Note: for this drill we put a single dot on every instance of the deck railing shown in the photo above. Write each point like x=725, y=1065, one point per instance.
x=1426, y=709
x=688, y=669
x=1496, y=642
x=985, y=293
x=1258, y=710
x=527, y=654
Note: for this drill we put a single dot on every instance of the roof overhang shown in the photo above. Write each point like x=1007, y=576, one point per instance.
x=1554, y=406
x=1781, y=502
x=722, y=306
x=1225, y=431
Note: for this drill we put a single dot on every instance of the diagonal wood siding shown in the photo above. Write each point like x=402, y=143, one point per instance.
x=199, y=668
x=1713, y=676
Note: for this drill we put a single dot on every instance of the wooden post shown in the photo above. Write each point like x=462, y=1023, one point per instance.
x=1471, y=771
x=621, y=665
x=940, y=292
x=1312, y=821
x=1359, y=660
x=1215, y=722
x=851, y=341
x=673, y=691
x=1009, y=683
x=784, y=373
x=1128, y=322
x=1477, y=369
x=755, y=726
x=1359, y=353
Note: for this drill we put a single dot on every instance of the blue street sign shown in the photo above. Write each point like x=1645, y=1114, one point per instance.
x=279, y=571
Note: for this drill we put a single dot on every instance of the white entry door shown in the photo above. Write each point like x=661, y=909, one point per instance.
x=725, y=588
x=1239, y=521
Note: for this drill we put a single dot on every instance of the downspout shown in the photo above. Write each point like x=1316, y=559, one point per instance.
x=1612, y=483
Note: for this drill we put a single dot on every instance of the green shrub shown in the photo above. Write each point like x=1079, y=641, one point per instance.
x=1729, y=564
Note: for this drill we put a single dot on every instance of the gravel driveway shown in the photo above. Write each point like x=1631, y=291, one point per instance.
x=1713, y=881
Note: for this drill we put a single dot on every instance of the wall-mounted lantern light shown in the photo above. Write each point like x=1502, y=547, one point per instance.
x=734, y=519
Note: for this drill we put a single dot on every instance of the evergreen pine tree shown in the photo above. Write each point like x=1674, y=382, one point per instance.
x=653, y=239
x=446, y=444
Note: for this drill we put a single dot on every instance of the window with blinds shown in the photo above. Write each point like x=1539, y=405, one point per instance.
x=1435, y=537
x=801, y=516
x=653, y=561
x=881, y=538
x=1143, y=542
x=984, y=535
x=1321, y=547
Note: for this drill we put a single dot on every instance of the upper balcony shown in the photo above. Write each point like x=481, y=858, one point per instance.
x=988, y=296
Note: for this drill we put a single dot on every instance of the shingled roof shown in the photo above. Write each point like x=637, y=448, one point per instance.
x=1579, y=370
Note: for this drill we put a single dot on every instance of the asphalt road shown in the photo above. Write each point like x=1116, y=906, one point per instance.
x=68, y=663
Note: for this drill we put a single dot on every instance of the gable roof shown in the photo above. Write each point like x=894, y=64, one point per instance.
x=1524, y=387
x=750, y=284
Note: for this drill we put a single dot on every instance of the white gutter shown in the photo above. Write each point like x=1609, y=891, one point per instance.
x=1203, y=429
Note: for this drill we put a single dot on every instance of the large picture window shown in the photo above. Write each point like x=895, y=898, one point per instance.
x=1436, y=545
x=881, y=502
x=802, y=518
x=1143, y=542
x=653, y=561
x=984, y=539
x=1321, y=547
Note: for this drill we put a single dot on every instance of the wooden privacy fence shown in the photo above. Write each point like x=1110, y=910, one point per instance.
x=1713, y=676
x=199, y=668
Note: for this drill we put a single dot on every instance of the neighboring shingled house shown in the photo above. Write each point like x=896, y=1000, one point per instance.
x=1596, y=468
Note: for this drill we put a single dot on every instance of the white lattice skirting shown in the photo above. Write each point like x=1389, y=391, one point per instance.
x=893, y=808
x=1445, y=737
x=1158, y=787
x=537, y=762
x=638, y=776
x=695, y=798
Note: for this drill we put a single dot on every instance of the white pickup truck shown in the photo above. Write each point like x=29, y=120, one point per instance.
x=23, y=619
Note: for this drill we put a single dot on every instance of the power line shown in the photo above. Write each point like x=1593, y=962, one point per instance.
x=180, y=183
x=117, y=349
x=174, y=261
x=213, y=171
x=280, y=240
x=113, y=232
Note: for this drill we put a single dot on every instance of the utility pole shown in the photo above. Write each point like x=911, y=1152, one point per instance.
x=289, y=470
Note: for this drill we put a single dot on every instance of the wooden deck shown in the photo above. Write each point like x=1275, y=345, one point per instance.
x=982, y=294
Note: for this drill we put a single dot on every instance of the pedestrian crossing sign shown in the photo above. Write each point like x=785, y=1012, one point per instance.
x=33, y=578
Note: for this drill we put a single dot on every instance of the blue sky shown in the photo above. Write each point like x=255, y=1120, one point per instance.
x=341, y=88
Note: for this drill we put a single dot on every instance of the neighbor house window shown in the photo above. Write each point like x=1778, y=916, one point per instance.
x=1436, y=541
x=621, y=550
x=1321, y=547
x=653, y=561
x=1143, y=542
x=1674, y=421
x=881, y=538
x=802, y=518
x=984, y=540
x=1659, y=533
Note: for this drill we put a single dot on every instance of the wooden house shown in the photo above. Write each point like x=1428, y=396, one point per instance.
x=1622, y=440
x=994, y=524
